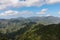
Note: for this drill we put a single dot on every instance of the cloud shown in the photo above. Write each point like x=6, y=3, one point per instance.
x=26, y=12
x=27, y=3
x=43, y=11
x=58, y=12
x=11, y=13
x=53, y=1
x=17, y=3
x=48, y=15
x=8, y=13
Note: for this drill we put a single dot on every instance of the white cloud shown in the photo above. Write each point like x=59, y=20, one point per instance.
x=48, y=15
x=9, y=12
x=15, y=13
x=26, y=12
x=43, y=11
x=17, y=3
x=58, y=12
x=53, y=1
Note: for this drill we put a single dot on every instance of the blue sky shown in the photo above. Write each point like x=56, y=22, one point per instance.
x=28, y=8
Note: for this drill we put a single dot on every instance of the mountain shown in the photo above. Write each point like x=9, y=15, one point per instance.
x=32, y=28
x=42, y=20
x=34, y=32
x=41, y=32
x=45, y=20
x=15, y=24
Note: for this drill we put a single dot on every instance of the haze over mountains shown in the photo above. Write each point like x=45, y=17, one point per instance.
x=30, y=31
x=42, y=20
x=31, y=28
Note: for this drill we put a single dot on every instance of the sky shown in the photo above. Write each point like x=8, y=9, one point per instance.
x=29, y=8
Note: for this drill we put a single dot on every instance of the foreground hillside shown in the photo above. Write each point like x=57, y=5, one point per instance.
x=33, y=31
x=14, y=24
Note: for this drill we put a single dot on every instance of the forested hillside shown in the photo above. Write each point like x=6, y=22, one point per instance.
x=33, y=31
x=32, y=28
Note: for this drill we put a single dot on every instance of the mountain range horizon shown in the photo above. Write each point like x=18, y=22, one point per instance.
x=28, y=17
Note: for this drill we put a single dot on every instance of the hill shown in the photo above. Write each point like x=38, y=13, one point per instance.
x=15, y=24
x=33, y=31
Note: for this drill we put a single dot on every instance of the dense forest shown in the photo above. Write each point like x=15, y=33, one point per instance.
x=33, y=31
x=34, y=28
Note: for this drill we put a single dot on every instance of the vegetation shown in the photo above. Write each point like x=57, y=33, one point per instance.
x=33, y=31
x=30, y=29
